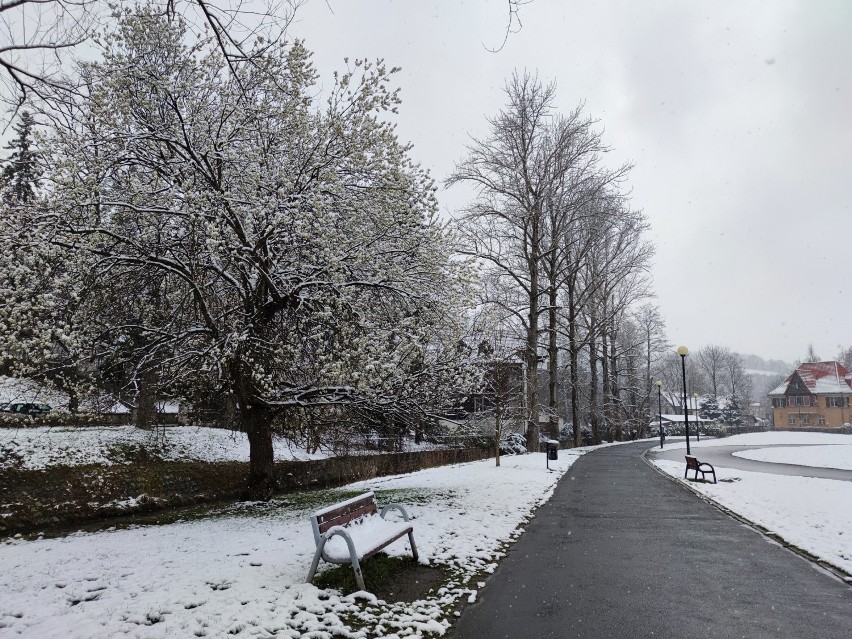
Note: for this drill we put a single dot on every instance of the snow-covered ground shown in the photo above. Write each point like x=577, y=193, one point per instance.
x=812, y=514
x=40, y=447
x=242, y=572
x=773, y=438
x=834, y=456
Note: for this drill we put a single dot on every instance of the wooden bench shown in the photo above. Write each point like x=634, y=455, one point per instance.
x=352, y=530
x=692, y=463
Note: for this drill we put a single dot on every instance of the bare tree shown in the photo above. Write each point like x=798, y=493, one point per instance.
x=513, y=172
x=812, y=355
x=738, y=381
x=845, y=357
x=713, y=361
x=651, y=327
x=579, y=180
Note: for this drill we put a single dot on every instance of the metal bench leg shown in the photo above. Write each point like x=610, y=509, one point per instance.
x=413, y=546
x=359, y=578
x=313, y=571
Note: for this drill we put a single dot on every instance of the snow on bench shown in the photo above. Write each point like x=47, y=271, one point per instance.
x=353, y=530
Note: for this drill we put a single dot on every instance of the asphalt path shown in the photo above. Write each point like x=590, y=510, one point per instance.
x=622, y=551
x=724, y=456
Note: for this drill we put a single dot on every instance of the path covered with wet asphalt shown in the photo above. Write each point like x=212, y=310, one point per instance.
x=622, y=551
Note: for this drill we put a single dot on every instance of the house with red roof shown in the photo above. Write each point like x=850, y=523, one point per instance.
x=816, y=395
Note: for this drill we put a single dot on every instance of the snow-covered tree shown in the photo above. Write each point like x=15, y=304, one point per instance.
x=249, y=242
x=732, y=413
x=20, y=177
x=709, y=408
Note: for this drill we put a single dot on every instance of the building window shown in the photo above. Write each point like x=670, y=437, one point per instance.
x=836, y=402
x=806, y=420
x=821, y=420
x=779, y=402
x=792, y=420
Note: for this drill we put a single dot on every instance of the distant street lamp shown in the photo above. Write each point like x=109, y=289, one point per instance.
x=660, y=410
x=697, y=418
x=683, y=351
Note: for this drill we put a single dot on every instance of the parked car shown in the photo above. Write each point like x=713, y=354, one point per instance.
x=27, y=408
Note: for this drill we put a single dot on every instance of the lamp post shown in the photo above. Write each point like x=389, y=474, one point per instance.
x=660, y=410
x=697, y=418
x=683, y=351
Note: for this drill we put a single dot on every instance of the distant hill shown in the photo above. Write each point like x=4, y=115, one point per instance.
x=765, y=375
x=755, y=364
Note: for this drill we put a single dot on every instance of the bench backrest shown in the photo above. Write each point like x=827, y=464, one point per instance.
x=691, y=462
x=342, y=513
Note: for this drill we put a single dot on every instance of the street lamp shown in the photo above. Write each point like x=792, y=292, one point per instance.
x=697, y=418
x=660, y=410
x=683, y=351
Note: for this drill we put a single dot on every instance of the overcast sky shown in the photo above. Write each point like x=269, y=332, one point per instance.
x=737, y=116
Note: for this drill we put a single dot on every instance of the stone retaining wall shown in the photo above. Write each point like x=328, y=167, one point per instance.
x=33, y=500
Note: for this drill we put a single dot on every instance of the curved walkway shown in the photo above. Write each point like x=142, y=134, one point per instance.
x=622, y=551
x=724, y=456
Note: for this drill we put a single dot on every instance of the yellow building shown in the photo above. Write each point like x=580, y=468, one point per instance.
x=816, y=395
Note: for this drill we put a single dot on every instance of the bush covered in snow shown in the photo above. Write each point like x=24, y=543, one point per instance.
x=513, y=444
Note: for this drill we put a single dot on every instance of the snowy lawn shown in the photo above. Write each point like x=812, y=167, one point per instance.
x=807, y=512
x=773, y=438
x=40, y=447
x=834, y=456
x=242, y=571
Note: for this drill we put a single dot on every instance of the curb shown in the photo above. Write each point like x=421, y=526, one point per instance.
x=775, y=538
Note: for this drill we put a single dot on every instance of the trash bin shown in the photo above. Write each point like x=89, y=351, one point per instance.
x=552, y=449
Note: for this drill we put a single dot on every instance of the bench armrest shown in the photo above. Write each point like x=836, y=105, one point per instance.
x=341, y=532
x=398, y=507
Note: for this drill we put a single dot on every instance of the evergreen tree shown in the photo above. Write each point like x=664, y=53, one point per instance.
x=732, y=414
x=710, y=409
x=21, y=170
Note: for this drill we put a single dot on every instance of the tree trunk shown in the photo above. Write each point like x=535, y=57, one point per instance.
x=573, y=357
x=607, y=418
x=593, y=389
x=146, y=403
x=261, y=480
x=533, y=445
x=73, y=400
x=498, y=431
x=614, y=390
x=553, y=363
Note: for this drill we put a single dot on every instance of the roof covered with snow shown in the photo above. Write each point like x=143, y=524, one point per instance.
x=817, y=378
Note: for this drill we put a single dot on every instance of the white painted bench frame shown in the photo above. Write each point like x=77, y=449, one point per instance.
x=349, y=511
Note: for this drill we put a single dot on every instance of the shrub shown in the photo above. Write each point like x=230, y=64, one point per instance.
x=513, y=444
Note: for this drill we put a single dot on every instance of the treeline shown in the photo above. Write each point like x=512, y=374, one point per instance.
x=565, y=264
x=183, y=220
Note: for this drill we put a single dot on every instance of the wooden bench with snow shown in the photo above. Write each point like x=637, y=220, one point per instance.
x=353, y=530
x=692, y=463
